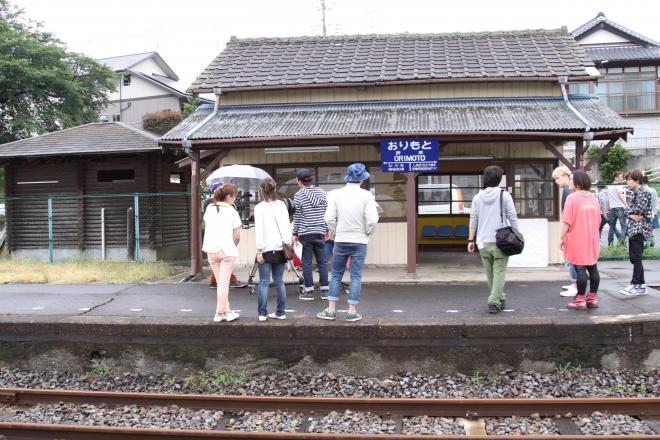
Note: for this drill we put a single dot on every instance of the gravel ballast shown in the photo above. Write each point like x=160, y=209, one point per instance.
x=611, y=424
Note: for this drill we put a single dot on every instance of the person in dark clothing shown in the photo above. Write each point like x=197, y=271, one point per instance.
x=233, y=281
x=640, y=215
x=310, y=229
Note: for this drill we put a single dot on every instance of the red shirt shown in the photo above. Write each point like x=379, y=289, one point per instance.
x=582, y=240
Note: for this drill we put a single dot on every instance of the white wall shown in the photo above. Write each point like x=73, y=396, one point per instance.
x=603, y=36
x=139, y=88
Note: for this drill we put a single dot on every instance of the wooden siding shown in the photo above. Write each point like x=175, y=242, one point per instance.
x=164, y=219
x=384, y=93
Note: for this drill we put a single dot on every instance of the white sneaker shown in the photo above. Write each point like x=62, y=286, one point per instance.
x=231, y=316
x=262, y=318
x=641, y=289
x=569, y=286
x=275, y=316
x=219, y=317
x=569, y=292
x=630, y=290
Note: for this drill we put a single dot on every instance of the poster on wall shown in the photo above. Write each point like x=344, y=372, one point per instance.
x=535, y=253
x=416, y=155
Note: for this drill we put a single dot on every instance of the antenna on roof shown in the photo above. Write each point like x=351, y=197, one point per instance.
x=323, y=8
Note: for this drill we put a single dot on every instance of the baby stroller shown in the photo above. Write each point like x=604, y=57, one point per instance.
x=293, y=267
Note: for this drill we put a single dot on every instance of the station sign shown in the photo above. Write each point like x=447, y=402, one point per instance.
x=416, y=155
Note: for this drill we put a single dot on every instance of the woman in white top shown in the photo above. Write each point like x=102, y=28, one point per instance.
x=221, y=235
x=272, y=229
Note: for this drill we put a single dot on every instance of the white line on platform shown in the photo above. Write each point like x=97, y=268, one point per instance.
x=524, y=285
x=289, y=310
x=342, y=311
x=84, y=309
x=397, y=311
x=563, y=310
x=452, y=311
x=38, y=308
x=186, y=310
x=509, y=310
x=136, y=310
x=551, y=308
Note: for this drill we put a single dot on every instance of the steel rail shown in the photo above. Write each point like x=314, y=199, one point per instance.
x=638, y=406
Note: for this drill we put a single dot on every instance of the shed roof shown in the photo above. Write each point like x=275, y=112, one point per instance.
x=341, y=119
x=263, y=63
x=623, y=53
x=94, y=138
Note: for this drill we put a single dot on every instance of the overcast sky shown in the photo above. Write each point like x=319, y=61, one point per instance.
x=189, y=34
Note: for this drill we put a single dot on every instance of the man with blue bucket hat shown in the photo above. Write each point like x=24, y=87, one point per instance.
x=351, y=217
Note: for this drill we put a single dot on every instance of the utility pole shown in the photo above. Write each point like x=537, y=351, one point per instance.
x=323, y=15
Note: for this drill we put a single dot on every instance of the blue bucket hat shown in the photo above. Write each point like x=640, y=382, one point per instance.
x=356, y=172
x=215, y=186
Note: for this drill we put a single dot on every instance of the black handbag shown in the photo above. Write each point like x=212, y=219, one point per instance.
x=507, y=238
x=274, y=257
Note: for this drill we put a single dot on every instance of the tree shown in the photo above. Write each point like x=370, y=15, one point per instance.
x=161, y=122
x=43, y=87
x=616, y=159
x=191, y=105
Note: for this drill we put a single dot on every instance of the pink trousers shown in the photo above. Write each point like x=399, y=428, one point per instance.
x=222, y=266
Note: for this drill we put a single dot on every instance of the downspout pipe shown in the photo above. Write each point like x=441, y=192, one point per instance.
x=195, y=203
x=588, y=134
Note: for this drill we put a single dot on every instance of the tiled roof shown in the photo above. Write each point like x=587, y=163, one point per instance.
x=95, y=138
x=316, y=61
x=600, y=19
x=623, y=53
x=398, y=117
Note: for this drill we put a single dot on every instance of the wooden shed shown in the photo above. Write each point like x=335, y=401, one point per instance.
x=100, y=191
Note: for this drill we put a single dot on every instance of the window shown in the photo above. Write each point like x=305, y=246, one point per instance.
x=116, y=118
x=113, y=176
x=581, y=88
x=534, y=189
x=127, y=79
x=630, y=89
x=447, y=194
x=176, y=177
x=389, y=190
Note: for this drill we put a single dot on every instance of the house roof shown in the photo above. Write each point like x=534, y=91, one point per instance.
x=94, y=138
x=623, y=53
x=600, y=21
x=127, y=62
x=353, y=119
x=264, y=63
x=159, y=81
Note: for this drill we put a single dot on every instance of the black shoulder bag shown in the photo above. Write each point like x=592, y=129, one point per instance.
x=507, y=238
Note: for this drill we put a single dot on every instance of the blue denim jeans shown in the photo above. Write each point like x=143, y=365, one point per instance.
x=265, y=271
x=614, y=215
x=571, y=271
x=314, y=245
x=342, y=251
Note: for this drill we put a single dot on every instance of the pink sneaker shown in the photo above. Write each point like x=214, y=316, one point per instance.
x=592, y=300
x=578, y=303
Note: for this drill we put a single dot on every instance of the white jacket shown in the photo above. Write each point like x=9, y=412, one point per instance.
x=268, y=237
x=351, y=214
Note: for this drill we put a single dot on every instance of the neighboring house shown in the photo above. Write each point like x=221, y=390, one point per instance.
x=630, y=65
x=63, y=187
x=147, y=85
x=325, y=102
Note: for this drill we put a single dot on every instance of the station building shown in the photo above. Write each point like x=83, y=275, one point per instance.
x=325, y=102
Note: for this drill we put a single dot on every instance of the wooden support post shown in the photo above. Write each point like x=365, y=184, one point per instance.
x=550, y=147
x=411, y=217
x=603, y=151
x=195, y=221
x=579, y=155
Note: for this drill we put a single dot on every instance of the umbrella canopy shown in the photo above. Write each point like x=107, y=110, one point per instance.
x=230, y=173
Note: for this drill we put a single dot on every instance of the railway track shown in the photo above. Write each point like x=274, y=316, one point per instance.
x=472, y=413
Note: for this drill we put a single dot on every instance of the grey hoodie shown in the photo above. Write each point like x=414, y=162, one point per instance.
x=310, y=203
x=485, y=214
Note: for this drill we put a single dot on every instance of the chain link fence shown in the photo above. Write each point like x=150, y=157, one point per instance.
x=113, y=227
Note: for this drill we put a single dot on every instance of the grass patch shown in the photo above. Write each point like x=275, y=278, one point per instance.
x=621, y=253
x=74, y=272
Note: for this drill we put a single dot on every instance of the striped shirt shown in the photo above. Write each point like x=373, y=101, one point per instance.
x=310, y=203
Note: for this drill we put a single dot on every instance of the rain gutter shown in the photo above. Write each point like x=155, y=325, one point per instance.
x=588, y=134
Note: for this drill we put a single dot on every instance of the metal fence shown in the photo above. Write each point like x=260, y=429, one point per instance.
x=115, y=227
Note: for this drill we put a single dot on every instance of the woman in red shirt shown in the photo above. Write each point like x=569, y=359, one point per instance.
x=580, y=239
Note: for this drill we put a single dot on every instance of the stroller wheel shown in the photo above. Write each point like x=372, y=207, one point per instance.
x=251, y=289
x=301, y=288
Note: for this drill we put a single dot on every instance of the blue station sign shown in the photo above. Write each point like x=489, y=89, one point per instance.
x=418, y=155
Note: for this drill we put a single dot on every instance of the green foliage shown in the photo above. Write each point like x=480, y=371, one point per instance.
x=191, y=105
x=100, y=369
x=42, y=86
x=616, y=159
x=219, y=379
x=161, y=122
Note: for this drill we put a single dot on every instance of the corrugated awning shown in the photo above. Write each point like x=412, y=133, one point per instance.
x=341, y=119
